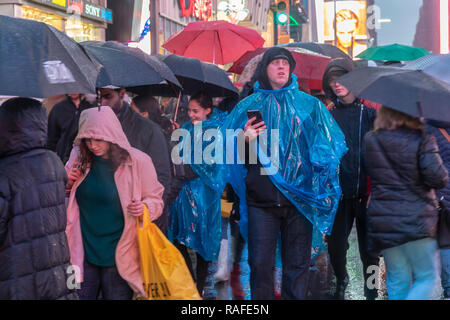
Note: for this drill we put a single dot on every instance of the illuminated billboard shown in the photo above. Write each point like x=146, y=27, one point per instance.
x=351, y=30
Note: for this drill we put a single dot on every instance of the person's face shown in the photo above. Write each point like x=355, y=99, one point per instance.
x=196, y=112
x=75, y=96
x=338, y=89
x=98, y=147
x=136, y=109
x=345, y=30
x=278, y=73
x=112, y=98
x=164, y=101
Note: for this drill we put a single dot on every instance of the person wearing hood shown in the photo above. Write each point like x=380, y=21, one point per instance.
x=109, y=183
x=145, y=135
x=301, y=193
x=355, y=119
x=34, y=253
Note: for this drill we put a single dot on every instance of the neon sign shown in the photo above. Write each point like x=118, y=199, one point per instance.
x=200, y=9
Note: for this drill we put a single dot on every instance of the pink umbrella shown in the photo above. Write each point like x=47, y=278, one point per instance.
x=218, y=42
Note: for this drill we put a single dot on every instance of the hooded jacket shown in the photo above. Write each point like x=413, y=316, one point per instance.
x=34, y=253
x=136, y=178
x=355, y=120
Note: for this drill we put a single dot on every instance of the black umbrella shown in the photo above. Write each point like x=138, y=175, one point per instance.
x=322, y=48
x=195, y=75
x=410, y=91
x=37, y=60
x=132, y=69
x=437, y=65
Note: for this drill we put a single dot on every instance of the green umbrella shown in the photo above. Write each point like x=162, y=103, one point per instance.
x=393, y=52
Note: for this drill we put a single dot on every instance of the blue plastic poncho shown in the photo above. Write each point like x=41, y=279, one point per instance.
x=310, y=146
x=196, y=214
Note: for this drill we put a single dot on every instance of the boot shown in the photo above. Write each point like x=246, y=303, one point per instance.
x=235, y=282
x=222, y=273
x=340, y=288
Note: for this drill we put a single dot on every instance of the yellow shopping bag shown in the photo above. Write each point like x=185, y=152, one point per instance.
x=164, y=272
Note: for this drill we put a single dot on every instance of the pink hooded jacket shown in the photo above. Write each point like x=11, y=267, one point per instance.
x=136, y=178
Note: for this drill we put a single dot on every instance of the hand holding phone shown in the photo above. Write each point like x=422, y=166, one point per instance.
x=255, y=113
x=255, y=127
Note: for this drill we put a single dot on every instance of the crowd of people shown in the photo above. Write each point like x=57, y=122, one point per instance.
x=74, y=182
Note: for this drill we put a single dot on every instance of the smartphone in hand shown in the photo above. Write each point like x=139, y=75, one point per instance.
x=255, y=113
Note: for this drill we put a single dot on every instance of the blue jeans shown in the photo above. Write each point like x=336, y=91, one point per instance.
x=445, y=273
x=411, y=270
x=264, y=225
x=104, y=280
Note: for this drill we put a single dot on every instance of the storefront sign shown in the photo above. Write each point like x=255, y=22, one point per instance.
x=97, y=12
x=85, y=8
x=61, y=4
x=200, y=9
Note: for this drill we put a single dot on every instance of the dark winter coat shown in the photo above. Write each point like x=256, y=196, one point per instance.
x=34, y=254
x=444, y=193
x=63, y=126
x=146, y=136
x=404, y=167
x=355, y=120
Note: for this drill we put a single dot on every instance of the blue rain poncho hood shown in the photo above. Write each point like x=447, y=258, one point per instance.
x=196, y=214
x=310, y=146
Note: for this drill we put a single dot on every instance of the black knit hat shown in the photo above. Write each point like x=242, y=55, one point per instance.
x=270, y=55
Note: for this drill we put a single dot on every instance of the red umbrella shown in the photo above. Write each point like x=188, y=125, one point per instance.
x=218, y=42
x=309, y=69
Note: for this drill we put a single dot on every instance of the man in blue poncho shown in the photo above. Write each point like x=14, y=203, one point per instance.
x=288, y=181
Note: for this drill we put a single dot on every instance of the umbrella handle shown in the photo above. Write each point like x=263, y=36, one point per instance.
x=176, y=109
x=419, y=106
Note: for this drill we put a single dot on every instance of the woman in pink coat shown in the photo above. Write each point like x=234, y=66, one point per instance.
x=109, y=183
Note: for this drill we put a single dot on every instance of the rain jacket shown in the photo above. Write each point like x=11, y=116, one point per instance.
x=355, y=120
x=34, y=253
x=310, y=146
x=404, y=167
x=136, y=178
x=196, y=214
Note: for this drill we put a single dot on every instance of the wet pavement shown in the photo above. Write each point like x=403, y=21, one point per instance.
x=321, y=278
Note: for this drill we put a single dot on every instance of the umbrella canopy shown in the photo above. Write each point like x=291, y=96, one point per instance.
x=132, y=69
x=37, y=60
x=322, y=48
x=393, y=52
x=410, y=91
x=437, y=65
x=195, y=75
x=309, y=68
x=219, y=42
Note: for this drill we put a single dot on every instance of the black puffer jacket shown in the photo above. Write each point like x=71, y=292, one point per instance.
x=444, y=193
x=404, y=167
x=34, y=253
x=355, y=120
